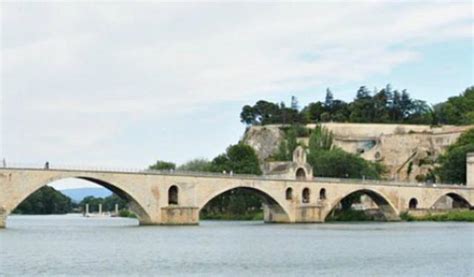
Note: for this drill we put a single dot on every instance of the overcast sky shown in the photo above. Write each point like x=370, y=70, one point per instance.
x=122, y=85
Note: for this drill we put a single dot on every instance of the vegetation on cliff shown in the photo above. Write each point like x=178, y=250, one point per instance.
x=452, y=164
x=379, y=106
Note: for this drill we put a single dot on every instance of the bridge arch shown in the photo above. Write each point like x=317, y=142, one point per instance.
x=458, y=200
x=382, y=201
x=278, y=211
x=118, y=189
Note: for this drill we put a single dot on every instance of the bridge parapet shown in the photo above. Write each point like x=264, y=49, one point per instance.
x=179, y=173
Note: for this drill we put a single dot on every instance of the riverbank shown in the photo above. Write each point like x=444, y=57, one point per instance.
x=360, y=216
x=257, y=216
x=457, y=215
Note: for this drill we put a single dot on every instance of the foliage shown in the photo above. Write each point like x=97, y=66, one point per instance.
x=320, y=139
x=340, y=164
x=236, y=203
x=452, y=164
x=458, y=109
x=289, y=143
x=378, y=106
x=108, y=203
x=351, y=215
x=455, y=215
x=46, y=200
x=239, y=158
x=127, y=213
x=196, y=165
x=162, y=165
x=264, y=112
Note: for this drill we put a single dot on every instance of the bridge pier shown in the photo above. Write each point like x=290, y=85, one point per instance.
x=310, y=213
x=274, y=214
x=3, y=218
x=179, y=215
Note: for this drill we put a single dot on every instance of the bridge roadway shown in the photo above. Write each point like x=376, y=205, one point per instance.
x=177, y=197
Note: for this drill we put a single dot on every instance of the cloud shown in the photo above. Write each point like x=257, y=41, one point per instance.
x=76, y=74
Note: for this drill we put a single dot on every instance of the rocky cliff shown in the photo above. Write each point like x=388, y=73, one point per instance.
x=406, y=150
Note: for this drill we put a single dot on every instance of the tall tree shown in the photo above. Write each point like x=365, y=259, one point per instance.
x=452, y=164
x=329, y=99
x=162, y=165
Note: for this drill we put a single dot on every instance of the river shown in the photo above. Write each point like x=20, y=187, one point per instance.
x=73, y=245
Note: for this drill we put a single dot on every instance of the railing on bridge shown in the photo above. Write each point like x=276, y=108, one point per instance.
x=32, y=166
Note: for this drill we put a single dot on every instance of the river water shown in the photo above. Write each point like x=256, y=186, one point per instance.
x=73, y=245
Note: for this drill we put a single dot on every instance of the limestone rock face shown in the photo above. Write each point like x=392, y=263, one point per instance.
x=264, y=140
x=407, y=151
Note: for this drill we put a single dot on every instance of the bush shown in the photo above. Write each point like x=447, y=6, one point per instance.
x=127, y=213
x=340, y=164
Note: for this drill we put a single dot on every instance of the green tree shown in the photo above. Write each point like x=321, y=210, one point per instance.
x=196, y=165
x=458, y=109
x=239, y=158
x=238, y=203
x=452, y=164
x=340, y=164
x=320, y=139
x=162, y=165
x=46, y=200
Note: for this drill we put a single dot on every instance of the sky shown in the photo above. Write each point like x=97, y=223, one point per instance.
x=121, y=85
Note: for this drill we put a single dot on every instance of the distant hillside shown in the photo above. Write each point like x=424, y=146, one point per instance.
x=78, y=194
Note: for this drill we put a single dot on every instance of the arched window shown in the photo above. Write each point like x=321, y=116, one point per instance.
x=289, y=193
x=413, y=203
x=300, y=174
x=173, y=195
x=306, y=195
x=322, y=194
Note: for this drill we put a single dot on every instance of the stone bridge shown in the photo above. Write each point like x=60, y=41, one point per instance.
x=177, y=198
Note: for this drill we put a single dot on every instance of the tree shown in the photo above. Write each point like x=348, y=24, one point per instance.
x=162, y=165
x=196, y=165
x=329, y=99
x=46, y=200
x=294, y=103
x=313, y=111
x=339, y=164
x=320, y=139
x=238, y=203
x=452, y=164
x=458, y=109
x=239, y=158
x=247, y=115
x=362, y=108
x=288, y=145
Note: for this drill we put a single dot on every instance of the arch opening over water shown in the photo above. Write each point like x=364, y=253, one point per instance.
x=244, y=203
x=104, y=197
x=451, y=201
x=362, y=204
